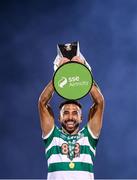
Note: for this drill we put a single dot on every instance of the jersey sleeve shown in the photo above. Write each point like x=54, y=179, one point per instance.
x=93, y=140
x=49, y=137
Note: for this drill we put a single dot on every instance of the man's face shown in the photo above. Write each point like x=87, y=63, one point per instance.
x=70, y=117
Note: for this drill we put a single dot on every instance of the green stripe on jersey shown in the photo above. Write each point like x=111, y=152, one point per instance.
x=53, y=150
x=57, y=133
x=64, y=166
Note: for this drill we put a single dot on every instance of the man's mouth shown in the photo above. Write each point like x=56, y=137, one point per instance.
x=70, y=123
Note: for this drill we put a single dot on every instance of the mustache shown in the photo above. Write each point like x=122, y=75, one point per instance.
x=70, y=120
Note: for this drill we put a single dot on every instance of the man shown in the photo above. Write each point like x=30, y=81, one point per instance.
x=70, y=152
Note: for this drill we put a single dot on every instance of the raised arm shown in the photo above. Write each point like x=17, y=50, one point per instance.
x=96, y=111
x=45, y=111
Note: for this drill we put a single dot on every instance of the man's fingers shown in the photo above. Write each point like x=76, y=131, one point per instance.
x=77, y=59
x=63, y=60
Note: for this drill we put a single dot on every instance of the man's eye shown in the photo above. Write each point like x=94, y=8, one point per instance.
x=75, y=113
x=65, y=112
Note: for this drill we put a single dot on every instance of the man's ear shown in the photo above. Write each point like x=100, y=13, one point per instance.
x=81, y=119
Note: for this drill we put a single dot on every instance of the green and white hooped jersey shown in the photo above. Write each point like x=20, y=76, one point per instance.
x=70, y=157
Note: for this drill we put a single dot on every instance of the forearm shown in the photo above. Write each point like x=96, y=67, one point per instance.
x=47, y=94
x=45, y=111
x=96, y=94
x=96, y=111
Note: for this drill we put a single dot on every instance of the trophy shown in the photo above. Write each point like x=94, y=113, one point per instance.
x=68, y=50
x=71, y=80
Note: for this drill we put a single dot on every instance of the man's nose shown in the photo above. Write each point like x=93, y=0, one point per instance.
x=70, y=116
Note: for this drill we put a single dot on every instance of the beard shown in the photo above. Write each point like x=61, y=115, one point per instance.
x=70, y=125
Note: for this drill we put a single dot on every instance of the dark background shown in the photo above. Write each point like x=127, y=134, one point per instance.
x=29, y=32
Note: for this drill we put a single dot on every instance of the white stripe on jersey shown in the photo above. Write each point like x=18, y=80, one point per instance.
x=56, y=142
x=70, y=175
x=55, y=158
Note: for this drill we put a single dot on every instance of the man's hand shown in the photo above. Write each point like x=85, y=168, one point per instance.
x=77, y=59
x=74, y=59
x=63, y=61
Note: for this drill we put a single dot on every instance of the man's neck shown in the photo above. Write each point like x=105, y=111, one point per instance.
x=73, y=133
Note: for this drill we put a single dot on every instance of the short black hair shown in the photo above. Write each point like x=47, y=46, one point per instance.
x=70, y=102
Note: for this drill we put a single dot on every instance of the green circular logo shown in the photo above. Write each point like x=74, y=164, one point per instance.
x=72, y=80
